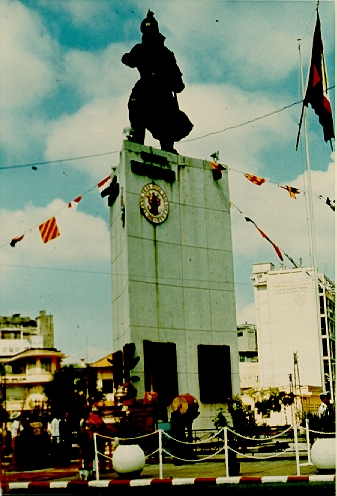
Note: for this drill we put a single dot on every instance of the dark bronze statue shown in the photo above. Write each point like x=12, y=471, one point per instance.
x=153, y=103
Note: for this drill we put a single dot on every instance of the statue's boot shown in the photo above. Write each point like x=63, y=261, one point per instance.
x=167, y=146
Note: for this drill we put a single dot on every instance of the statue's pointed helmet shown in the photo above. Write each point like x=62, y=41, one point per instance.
x=149, y=25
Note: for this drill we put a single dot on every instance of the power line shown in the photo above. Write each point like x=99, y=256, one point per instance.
x=60, y=269
x=246, y=122
x=47, y=162
x=33, y=164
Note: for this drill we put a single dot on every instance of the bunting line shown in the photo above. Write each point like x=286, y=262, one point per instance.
x=276, y=248
x=104, y=188
x=49, y=229
x=261, y=180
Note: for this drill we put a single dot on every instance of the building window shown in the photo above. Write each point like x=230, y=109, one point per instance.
x=323, y=325
x=160, y=370
x=46, y=364
x=214, y=368
x=107, y=386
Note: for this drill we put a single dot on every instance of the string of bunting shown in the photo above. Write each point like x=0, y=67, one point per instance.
x=49, y=229
x=263, y=234
x=258, y=181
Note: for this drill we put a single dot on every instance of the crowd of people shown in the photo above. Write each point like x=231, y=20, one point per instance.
x=38, y=440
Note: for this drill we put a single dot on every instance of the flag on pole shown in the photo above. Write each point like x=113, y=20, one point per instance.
x=16, y=240
x=276, y=248
x=317, y=88
x=255, y=179
x=74, y=204
x=49, y=230
x=292, y=191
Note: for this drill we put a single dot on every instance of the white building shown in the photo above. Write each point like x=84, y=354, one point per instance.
x=248, y=356
x=295, y=339
x=28, y=360
x=18, y=333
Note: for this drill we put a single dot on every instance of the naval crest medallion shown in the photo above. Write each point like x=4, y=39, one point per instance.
x=154, y=203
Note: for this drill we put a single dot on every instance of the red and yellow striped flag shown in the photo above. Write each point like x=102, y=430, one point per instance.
x=49, y=230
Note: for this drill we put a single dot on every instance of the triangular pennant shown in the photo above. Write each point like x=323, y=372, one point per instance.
x=292, y=191
x=16, y=240
x=276, y=248
x=255, y=179
x=74, y=203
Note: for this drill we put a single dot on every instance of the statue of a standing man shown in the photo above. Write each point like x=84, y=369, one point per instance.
x=153, y=103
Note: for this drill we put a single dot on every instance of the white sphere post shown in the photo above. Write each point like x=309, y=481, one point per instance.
x=160, y=454
x=226, y=451
x=96, y=456
x=298, y=470
x=307, y=434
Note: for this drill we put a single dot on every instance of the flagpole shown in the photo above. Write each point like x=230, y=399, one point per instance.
x=311, y=222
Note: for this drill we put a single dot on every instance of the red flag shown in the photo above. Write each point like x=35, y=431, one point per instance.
x=317, y=88
x=49, y=230
x=255, y=179
x=16, y=240
x=276, y=248
x=74, y=203
x=292, y=191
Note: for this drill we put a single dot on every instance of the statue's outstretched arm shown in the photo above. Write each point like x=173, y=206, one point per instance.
x=130, y=59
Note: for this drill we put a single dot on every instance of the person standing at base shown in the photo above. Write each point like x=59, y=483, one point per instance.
x=153, y=103
x=324, y=407
x=54, y=430
x=65, y=440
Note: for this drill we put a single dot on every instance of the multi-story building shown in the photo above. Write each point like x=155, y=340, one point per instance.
x=20, y=333
x=248, y=356
x=28, y=360
x=295, y=328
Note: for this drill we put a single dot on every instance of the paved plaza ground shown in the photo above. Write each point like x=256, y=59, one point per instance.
x=213, y=468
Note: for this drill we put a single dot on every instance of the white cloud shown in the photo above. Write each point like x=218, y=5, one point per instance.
x=83, y=238
x=249, y=43
x=95, y=128
x=216, y=107
x=100, y=74
x=246, y=314
x=26, y=57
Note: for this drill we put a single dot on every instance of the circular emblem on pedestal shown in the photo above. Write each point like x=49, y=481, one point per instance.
x=154, y=203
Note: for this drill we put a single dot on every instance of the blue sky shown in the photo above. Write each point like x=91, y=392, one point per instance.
x=64, y=93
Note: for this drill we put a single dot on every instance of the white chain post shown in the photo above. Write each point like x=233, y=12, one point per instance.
x=160, y=454
x=298, y=470
x=226, y=451
x=96, y=456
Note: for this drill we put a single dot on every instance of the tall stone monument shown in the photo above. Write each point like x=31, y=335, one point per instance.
x=172, y=276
